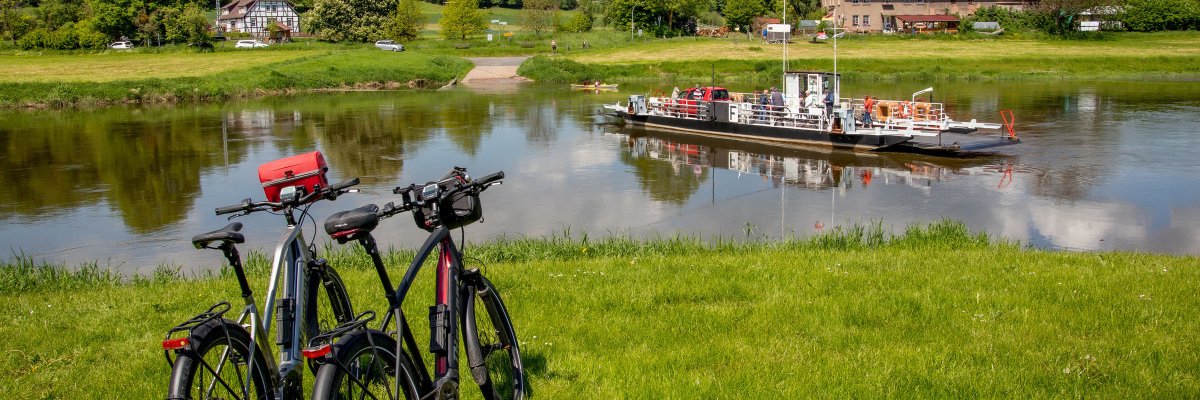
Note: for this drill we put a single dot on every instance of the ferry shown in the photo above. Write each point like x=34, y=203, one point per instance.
x=805, y=118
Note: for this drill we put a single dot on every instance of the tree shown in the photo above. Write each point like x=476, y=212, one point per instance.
x=187, y=25
x=13, y=22
x=54, y=13
x=1066, y=12
x=539, y=16
x=659, y=16
x=350, y=20
x=149, y=26
x=113, y=17
x=740, y=13
x=461, y=18
x=583, y=20
x=407, y=21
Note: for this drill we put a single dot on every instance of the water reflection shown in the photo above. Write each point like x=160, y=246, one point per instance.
x=671, y=166
x=1103, y=166
x=145, y=166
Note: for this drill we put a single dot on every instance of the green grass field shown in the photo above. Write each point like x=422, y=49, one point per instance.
x=1159, y=56
x=935, y=313
x=106, y=78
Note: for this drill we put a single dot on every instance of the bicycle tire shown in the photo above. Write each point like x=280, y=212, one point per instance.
x=348, y=375
x=328, y=305
x=208, y=342
x=491, y=343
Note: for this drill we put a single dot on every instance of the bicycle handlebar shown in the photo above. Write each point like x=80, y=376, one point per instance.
x=455, y=179
x=329, y=193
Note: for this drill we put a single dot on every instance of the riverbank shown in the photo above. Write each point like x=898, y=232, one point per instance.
x=1167, y=56
x=66, y=80
x=935, y=312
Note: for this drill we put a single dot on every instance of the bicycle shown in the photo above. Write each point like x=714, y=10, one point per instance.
x=370, y=363
x=220, y=358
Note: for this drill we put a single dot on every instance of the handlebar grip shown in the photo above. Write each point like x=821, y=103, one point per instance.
x=490, y=178
x=232, y=209
x=343, y=185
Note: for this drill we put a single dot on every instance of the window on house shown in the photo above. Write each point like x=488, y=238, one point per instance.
x=855, y=20
x=253, y=22
x=866, y=20
x=866, y=1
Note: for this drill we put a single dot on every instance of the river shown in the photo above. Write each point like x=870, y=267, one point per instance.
x=1102, y=166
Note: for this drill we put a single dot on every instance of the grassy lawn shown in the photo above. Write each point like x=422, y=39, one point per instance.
x=185, y=76
x=1159, y=56
x=936, y=313
x=115, y=66
x=883, y=49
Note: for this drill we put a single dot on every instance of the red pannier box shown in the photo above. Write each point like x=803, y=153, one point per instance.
x=305, y=170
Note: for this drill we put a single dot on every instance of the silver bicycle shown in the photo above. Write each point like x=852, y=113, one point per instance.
x=219, y=358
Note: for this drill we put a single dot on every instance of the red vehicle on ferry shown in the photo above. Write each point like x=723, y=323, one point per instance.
x=688, y=99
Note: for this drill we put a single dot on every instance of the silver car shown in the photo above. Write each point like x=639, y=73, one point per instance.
x=122, y=45
x=389, y=45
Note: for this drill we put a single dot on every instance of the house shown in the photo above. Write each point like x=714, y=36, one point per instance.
x=254, y=17
x=910, y=15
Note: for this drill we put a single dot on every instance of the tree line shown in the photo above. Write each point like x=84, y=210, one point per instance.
x=88, y=24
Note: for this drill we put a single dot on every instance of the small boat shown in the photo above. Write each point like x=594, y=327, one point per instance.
x=602, y=86
x=803, y=118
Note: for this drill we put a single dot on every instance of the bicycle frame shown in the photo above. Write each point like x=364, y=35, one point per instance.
x=444, y=317
x=290, y=255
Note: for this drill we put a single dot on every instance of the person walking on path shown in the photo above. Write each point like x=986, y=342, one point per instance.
x=553, y=46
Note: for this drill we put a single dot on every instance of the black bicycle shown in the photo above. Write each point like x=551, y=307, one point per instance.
x=386, y=363
x=219, y=358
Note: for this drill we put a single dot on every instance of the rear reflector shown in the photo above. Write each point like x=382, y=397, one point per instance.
x=316, y=352
x=175, y=344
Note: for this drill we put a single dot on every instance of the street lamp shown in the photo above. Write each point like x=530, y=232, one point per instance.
x=631, y=7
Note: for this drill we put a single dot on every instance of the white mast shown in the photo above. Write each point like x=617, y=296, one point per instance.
x=836, y=82
x=786, y=38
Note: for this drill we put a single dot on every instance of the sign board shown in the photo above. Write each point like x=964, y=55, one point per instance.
x=1089, y=26
x=489, y=37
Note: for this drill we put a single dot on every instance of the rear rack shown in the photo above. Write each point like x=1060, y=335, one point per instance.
x=217, y=311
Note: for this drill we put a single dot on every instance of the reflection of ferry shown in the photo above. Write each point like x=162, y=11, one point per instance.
x=791, y=166
x=810, y=112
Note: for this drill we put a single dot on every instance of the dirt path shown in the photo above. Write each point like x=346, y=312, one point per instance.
x=494, y=71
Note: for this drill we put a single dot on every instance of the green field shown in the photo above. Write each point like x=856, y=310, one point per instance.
x=936, y=313
x=1120, y=56
x=108, y=78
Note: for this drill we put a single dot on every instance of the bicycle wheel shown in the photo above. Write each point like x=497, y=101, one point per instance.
x=366, y=368
x=328, y=305
x=218, y=365
x=492, y=350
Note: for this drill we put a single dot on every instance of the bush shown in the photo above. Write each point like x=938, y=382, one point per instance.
x=1010, y=20
x=35, y=39
x=1161, y=15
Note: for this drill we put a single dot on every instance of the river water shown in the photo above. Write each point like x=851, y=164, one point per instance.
x=1102, y=166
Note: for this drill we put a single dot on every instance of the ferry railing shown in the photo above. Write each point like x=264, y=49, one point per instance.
x=896, y=114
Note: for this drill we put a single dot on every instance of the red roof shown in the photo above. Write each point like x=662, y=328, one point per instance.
x=928, y=18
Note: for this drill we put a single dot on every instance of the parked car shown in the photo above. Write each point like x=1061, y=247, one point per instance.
x=389, y=45
x=249, y=44
x=123, y=45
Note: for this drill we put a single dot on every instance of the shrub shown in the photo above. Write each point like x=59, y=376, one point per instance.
x=1161, y=15
x=35, y=39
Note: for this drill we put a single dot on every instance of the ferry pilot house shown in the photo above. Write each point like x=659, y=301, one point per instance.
x=254, y=17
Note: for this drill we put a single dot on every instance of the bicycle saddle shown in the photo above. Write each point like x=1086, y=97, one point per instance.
x=346, y=225
x=228, y=234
